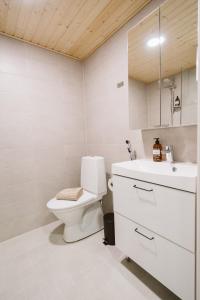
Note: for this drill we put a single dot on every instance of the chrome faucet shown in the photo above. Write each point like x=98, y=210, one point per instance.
x=132, y=153
x=169, y=153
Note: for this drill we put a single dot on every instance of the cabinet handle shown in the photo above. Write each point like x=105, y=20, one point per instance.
x=149, y=238
x=137, y=187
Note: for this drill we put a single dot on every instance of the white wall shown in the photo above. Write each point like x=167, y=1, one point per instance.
x=41, y=132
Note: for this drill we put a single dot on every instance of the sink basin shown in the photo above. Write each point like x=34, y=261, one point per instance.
x=176, y=175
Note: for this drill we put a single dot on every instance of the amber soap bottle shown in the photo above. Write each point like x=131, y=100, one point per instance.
x=157, y=150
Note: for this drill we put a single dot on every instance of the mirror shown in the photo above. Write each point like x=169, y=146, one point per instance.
x=162, y=67
x=144, y=74
x=178, y=26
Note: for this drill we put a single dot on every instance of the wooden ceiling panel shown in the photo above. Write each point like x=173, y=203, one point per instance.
x=24, y=18
x=110, y=17
x=72, y=27
x=79, y=27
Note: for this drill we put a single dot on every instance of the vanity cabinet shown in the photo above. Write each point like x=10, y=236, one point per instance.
x=155, y=226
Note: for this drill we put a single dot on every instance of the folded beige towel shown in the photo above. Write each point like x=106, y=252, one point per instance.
x=70, y=194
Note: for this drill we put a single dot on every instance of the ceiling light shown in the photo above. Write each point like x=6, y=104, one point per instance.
x=155, y=41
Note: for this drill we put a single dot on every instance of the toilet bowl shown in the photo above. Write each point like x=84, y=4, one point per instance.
x=84, y=216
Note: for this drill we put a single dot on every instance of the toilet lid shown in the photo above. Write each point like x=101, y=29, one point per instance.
x=55, y=204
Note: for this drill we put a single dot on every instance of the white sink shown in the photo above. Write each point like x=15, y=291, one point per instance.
x=176, y=175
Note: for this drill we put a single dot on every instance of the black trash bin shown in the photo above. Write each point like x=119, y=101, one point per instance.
x=109, y=229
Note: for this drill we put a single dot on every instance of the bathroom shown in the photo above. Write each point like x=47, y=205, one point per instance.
x=65, y=94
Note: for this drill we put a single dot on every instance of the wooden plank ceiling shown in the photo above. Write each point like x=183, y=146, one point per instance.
x=178, y=25
x=72, y=27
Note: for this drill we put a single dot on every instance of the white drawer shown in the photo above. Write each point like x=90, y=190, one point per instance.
x=166, y=211
x=170, y=264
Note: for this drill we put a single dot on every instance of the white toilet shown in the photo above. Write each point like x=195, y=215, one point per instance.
x=84, y=216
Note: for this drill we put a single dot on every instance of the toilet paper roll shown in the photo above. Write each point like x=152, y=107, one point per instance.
x=110, y=184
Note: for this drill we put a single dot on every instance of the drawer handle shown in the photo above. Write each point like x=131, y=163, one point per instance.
x=137, y=187
x=149, y=238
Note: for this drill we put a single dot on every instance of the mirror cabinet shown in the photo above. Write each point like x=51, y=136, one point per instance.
x=162, y=67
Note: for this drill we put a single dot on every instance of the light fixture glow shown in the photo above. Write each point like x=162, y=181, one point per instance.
x=155, y=41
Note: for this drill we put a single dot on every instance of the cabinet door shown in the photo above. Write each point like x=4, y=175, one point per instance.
x=144, y=73
x=166, y=211
x=162, y=66
x=178, y=62
x=170, y=264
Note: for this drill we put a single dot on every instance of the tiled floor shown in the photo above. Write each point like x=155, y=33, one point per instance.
x=38, y=265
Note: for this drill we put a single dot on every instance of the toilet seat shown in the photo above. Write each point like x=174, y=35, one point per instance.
x=87, y=197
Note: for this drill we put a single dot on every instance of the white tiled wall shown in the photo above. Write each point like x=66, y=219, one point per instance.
x=41, y=132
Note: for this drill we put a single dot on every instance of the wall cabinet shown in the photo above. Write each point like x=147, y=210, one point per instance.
x=162, y=67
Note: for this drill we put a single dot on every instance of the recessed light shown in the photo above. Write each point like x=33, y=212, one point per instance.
x=153, y=42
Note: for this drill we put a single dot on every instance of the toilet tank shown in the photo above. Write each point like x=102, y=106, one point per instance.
x=93, y=175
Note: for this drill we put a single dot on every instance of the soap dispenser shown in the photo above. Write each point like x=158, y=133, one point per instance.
x=157, y=150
